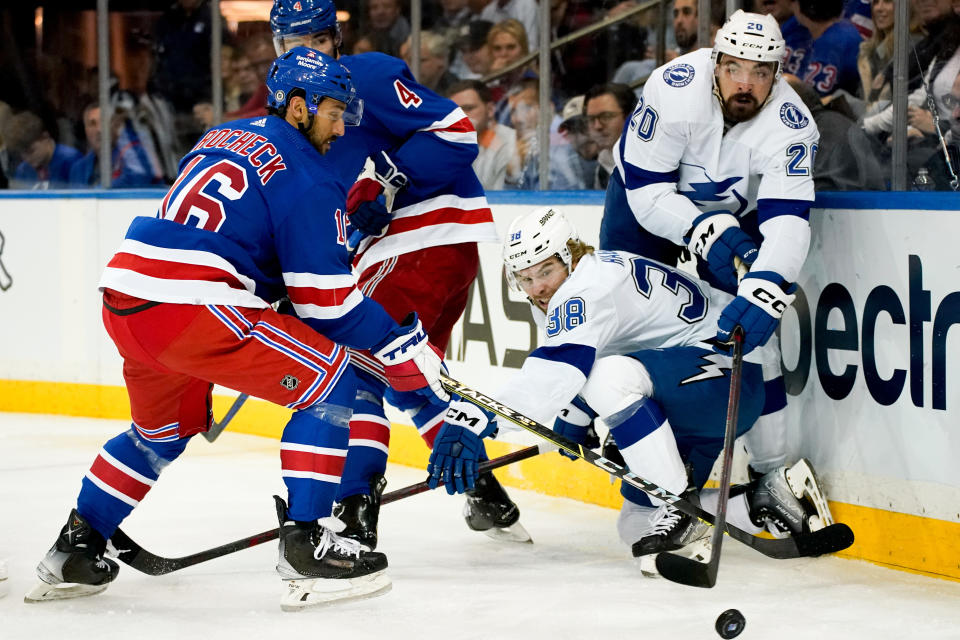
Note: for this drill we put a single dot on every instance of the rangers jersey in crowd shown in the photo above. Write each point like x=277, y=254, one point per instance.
x=432, y=141
x=613, y=303
x=240, y=226
x=831, y=61
x=677, y=159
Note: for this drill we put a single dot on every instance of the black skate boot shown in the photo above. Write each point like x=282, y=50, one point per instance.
x=489, y=509
x=320, y=567
x=75, y=560
x=360, y=513
x=788, y=501
x=669, y=529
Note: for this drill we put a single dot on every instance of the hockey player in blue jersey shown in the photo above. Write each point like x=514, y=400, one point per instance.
x=831, y=60
x=631, y=337
x=256, y=214
x=421, y=209
x=716, y=162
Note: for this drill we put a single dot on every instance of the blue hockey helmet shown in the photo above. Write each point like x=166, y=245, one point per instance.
x=319, y=76
x=299, y=18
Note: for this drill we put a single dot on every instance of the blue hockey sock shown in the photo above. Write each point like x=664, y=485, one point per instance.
x=369, y=437
x=120, y=477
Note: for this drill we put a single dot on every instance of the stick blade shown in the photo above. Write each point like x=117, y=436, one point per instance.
x=831, y=539
x=687, y=571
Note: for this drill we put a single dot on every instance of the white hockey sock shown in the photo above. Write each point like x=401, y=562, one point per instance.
x=738, y=511
x=655, y=457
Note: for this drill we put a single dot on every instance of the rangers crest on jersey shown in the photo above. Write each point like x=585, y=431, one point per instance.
x=791, y=116
x=679, y=75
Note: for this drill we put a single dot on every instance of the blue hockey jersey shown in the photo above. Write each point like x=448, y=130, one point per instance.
x=433, y=142
x=831, y=62
x=255, y=214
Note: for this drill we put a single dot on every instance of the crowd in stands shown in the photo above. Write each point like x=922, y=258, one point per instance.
x=839, y=60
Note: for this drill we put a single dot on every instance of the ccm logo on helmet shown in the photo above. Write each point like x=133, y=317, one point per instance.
x=549, y=215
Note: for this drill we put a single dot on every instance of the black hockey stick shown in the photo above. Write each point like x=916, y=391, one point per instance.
x=830, y=539
x=217, y=428
x=686, y=570
x=132, y=554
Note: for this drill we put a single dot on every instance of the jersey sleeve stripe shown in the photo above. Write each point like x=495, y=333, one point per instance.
x=449, y=215
x=319, y=281
x=772, y=207
x=578, y=356
x=327, y=312
x=636, y=178
x=319, y=297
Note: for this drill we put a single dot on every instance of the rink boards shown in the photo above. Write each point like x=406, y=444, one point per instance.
x=872, y=366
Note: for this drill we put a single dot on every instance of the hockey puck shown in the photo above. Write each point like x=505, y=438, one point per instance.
x=730, y=623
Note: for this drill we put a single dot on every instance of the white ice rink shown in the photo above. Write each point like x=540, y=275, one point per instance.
x=576, y=581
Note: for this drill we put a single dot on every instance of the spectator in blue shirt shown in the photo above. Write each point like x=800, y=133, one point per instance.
x=131, y=166
x=45, y=164
x=831, y=62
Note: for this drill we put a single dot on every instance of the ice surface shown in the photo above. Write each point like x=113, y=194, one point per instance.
x=576, y=581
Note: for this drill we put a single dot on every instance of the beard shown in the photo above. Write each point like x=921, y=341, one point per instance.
x=685, y=40
x=740, y=107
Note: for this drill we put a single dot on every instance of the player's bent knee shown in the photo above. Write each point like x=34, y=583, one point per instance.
x=615, y=383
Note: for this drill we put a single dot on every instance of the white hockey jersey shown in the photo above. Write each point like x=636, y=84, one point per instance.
x=613, y=303
x=677, y=161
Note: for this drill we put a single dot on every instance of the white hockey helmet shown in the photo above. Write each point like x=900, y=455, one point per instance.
x=751, y=36
x=535, y=237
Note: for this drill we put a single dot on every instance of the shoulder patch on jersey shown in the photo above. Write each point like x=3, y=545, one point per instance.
x=791, y=116
x=679, y=75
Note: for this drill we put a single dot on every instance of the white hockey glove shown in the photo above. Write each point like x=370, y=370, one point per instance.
x=718, y=239
x=411, y=363
x=380, y=175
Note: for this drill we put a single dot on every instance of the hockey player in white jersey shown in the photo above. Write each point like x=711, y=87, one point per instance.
x=717, y=161
x=634, y=339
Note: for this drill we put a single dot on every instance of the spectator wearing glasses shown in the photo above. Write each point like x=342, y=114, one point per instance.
x=606, y=107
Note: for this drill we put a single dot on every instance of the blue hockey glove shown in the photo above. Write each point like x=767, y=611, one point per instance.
x=410, y=362
x=371, y=218
x=380, y=175
x=456, y=451
x=758, y=307
x=717, y=238
x=574, y=423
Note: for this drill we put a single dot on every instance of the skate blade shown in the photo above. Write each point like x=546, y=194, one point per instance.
x=698, y=550
x=804, y=483
x=44, y=592
x=514, y=533
x=320, y=592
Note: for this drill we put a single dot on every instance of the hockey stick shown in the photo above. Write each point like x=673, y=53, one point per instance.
x=830, y=539
x=132, y=554
x=686, y=570
x=217, y=428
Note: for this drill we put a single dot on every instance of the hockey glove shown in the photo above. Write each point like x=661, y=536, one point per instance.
x=758, y=307
x=717, y=238
x=411, y=363
x=371, y=219
x=379, y=176
x=574, y=423
x=456, y=451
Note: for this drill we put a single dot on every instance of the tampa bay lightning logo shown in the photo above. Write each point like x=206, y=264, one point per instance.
x=709, y=191
x=792, y=116
x=679, y=75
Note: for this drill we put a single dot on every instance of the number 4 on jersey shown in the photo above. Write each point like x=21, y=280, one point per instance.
x=407, y=97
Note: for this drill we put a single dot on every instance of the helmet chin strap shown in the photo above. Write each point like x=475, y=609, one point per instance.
x=304, y=129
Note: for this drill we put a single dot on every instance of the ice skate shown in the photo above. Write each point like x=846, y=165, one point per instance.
x=788, y=501
x=320, y=567
x=74, y=567
x=489, y=509
x=669, y=529
x=361, y=512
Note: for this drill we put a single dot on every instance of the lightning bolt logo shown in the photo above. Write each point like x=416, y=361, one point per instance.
x=714, y=366
x=702, y=193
